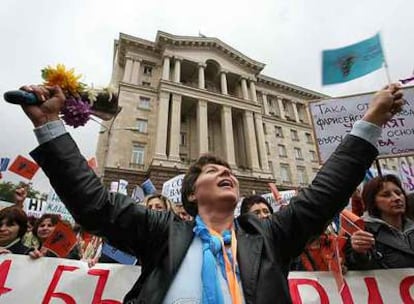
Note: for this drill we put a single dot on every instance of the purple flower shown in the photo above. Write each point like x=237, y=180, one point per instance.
x=76, y=112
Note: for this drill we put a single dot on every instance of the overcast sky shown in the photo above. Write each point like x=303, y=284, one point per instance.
x=287, y=35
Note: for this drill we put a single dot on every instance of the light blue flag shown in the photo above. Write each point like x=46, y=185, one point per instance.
x=353, y=61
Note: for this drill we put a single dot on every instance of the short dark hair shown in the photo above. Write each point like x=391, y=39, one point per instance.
x=15, y=215
x=251, y=200
x=191, y=176
x=371, y=189
x=54, y=218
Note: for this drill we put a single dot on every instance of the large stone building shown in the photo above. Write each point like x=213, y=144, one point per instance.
x=182, y=96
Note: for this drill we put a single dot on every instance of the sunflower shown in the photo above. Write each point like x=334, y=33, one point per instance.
x=66, y=79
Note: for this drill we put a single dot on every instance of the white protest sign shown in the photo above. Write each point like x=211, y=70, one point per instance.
x=285, y=195
x=55, y=206
x=406, y=169
x=334, y=118
x=55, y=280
x=34, y=207
x=172, y=188
x=123, y=186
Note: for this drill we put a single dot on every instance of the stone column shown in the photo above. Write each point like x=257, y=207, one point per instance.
x=174, y=150
x=251, y=144
x=162, y=126
x=227, y=135
x=128, y=69
x=177, y=69
x=166, y=68
x=202, y=127
x=295, y=111
x=244, y=88
x=281, y=109
x=253, y=90
x=261, y=142
x=223, y=81
x=265, y=104
x=135, y=71
x=201, y=82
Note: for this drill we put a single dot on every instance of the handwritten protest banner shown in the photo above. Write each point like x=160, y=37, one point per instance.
x=55, y=206
x=285, y=197
x=406, y=169
x=334, y=118
x=172, y=188
x=55, y=280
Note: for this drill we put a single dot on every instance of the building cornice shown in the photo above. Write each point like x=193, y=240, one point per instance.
x=289, y=88
x=164, y=39
x=234, y=102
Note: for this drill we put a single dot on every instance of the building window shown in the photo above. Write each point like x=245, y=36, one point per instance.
x=285, y=173
x=267, y=148
x=142, y=125
x=264, y=129
x=144, y=102
x=278, y=131
x=146, y=84
x=309, y=138
x=282, y=151
x=314, y=157
x=294, y=135
x=183, y=139
x=138, y=153
x=271, y=168
x=302, y=176
x=147, y=70
x=298, y=153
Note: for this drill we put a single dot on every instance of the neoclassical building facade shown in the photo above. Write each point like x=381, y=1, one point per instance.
x=183, y=96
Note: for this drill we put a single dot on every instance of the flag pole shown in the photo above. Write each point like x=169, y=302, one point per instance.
x=377, y=164
x=387, y=71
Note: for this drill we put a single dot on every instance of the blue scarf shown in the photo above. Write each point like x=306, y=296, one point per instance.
x=212, y=253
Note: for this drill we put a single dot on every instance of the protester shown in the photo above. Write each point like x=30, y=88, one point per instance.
x=44, y=228
x=29, y=239
x=257, y=205
x=180, y=260
x=13, y=225
x=388, y=238
x=182, y=213
x=410, y=206
x=158, y=202
x=20, y=194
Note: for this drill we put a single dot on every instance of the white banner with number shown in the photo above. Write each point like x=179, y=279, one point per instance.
x=54, y=280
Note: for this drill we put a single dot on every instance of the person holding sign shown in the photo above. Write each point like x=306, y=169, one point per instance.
x=216, y=258
x=388, y=238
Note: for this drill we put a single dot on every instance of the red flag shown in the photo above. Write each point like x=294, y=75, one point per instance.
x=61, y=241
x=24, y=167
x=350, y=222
x=275, y=193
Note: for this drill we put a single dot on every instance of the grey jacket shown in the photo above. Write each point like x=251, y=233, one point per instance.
x=393, y=248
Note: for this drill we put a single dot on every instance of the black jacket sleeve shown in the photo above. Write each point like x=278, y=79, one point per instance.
x=116, y=217
x=314, y=207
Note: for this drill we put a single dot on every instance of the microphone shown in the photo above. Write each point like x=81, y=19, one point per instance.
x=21, y=97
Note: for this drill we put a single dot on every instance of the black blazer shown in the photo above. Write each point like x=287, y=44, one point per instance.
x=264, y=247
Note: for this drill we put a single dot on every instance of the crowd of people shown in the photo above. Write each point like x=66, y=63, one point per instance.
x=202, y=252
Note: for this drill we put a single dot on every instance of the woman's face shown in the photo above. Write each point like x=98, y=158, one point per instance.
x=390, y=200
x=8, y=232
x=260, y=210
x=45, y=229
x=156, y=204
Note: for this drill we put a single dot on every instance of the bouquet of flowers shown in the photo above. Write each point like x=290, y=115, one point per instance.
x=81, y=101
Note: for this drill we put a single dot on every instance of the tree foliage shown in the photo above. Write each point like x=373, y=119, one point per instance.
x=7, y=191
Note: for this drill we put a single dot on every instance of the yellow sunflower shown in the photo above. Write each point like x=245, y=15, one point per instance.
x=62, y=77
